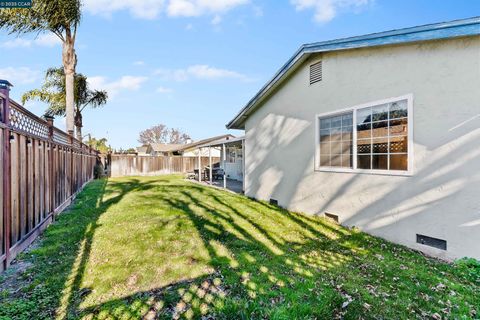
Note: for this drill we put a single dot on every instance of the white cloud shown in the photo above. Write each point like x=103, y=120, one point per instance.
x=200, y=71
x=47, y=40
x=113, y=88
x=164, y=90
x=216, y=20
x=145, y=9
x=258, y=11
x=194, y=8
x=151, y=9
x=139, y=63
x=17, y=43
x=326, y=10
x=22, y=75
x=44, y=40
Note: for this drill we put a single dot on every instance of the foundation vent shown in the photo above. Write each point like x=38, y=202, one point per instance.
x=331, y=216
x=274, y=202
x=316, y=72
x=432, y=242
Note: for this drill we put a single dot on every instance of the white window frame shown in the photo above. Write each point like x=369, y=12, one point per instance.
x=410, y=169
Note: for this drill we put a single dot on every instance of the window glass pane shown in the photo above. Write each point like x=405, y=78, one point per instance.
x=363, y=162
x=398, y=109
x=364, y=131
x=379, y=162
x=364, y=146
x=380, y=112
x=336, y=134
x=398, y=144
x=399, y=127
x=325, y=161
x=380, y=129
x=347, y=120
x=380, y=145
x=336, y=148
x=346, y=147
x=381, y=137
x=347, y=160
x=239, y=154
x=336, y=140
x=325, y=148
x=364, y=115
x=398, y=162
x=336, y=122
x=336, y=160
x=230, y=155
x=347, y=133
x=324, y=123
x=325, y=135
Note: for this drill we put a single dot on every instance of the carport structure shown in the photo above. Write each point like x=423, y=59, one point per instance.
x=231, y=161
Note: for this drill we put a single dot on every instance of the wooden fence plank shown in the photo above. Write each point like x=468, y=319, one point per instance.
x=30, y=187
x=14, y=187
x=22, y=152
x=127, y=165
x=42, y=170
x=2, y=225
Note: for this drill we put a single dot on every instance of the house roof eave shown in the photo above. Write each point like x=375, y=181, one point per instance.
x=437, y=31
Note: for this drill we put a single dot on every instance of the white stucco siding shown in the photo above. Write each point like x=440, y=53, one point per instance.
x=441, y=199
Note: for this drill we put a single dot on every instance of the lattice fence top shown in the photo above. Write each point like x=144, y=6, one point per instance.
x=60, y=136
x=22, y=121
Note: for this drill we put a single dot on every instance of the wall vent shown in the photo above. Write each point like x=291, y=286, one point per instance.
x=316, y=72
x=274, y=202
x=432, y=242
x=331, y=216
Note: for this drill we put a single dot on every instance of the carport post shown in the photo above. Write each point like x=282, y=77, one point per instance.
x=199, y=165
x=224, y=163
x=210, y=163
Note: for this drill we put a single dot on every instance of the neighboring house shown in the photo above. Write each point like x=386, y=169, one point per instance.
x=165, y=149
x=144, y=150
x=187, y=150
x=194, y=148
x=380, y=131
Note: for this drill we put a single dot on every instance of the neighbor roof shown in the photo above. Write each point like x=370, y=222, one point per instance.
x=437, y=31
x=199, y=143
x=142, y=149
x=230, y=141
x=166, y=147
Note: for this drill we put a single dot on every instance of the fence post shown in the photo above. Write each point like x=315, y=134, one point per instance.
x=70, y=138
x=6, y=216
x=52, y=187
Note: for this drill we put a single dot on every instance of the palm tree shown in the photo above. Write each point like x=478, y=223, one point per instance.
x=61, y=17
x=53, y=92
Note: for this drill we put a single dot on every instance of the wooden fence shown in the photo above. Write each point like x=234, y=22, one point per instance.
x=130, y=165
x=43, y=169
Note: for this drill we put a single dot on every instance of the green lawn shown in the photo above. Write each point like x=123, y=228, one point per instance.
x=166, y=248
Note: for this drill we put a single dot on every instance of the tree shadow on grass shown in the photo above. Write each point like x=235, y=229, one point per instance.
x=262, y=262
x=267, y=262
x=51, y=287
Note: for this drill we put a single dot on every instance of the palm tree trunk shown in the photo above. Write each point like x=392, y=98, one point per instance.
x=69, y=60
x=78, y=123
x=79, y=133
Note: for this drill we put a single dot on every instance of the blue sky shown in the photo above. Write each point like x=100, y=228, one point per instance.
x=192, y=64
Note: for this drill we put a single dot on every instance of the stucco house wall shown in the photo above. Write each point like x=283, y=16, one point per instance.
x=440, y=199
